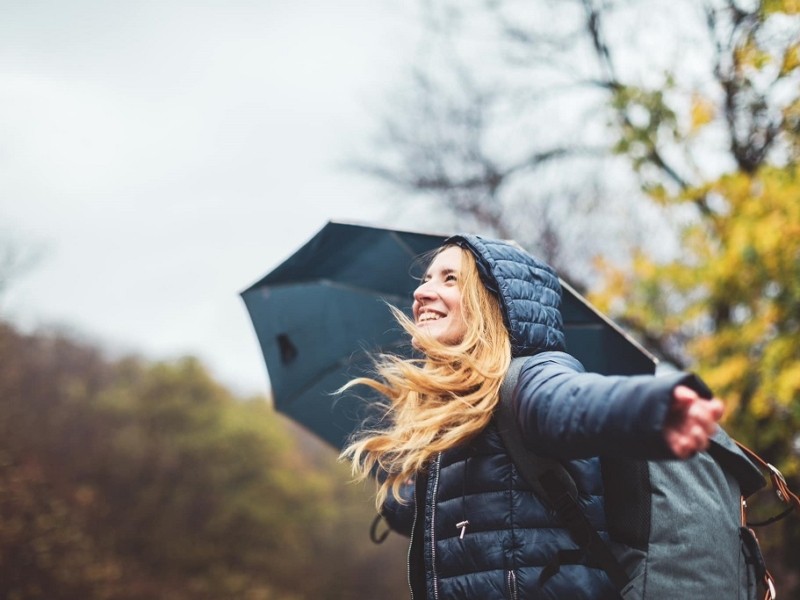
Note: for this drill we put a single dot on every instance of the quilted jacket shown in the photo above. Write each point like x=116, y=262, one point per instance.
x=477, y=531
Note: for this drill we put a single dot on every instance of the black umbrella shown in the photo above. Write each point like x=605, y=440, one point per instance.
x=322, y=313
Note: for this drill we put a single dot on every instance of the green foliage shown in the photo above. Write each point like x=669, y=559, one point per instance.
x=130, y=479
x=644, y=117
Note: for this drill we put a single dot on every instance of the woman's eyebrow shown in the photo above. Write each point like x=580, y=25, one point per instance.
x=442, y=271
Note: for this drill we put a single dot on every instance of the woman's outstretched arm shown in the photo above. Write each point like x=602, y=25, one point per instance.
x=565, y=412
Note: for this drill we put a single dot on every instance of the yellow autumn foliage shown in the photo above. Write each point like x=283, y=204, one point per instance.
x=751, y=56
x=701, y=112
x=728, y=375
x=791, y=59
x=734, y=295
x=791, y=7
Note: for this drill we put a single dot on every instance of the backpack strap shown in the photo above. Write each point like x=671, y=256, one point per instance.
x=737, y=461
x=531, y=466
x=779, y=485
x=551, y=482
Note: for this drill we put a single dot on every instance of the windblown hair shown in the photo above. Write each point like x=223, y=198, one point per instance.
x=439, y=401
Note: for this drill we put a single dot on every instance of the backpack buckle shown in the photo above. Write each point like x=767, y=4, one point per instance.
x=778, y=482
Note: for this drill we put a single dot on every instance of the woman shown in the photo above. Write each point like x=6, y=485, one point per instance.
x=477, y=532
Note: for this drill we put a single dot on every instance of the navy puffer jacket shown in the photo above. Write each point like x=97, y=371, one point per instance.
x=477, y=531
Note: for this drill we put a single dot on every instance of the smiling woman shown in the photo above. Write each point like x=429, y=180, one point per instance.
x=445, y=477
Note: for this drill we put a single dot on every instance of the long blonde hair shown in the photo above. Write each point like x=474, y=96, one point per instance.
x=439, y=401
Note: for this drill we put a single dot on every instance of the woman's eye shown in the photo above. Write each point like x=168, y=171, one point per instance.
x=451, y=277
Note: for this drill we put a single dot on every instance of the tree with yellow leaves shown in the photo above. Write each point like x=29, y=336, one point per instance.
x=726, y=302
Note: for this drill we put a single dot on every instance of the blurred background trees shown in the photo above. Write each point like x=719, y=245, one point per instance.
x=647, y=149
x=126, y=479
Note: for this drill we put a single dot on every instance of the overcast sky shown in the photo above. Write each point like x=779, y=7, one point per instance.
x=160, y=156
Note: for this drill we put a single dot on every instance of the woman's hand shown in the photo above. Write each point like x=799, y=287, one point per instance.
x=691, y=421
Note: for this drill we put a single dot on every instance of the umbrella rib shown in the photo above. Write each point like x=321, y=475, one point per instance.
x=396, y=299
x=608, y=322
x=403, y=244
x=360, y=289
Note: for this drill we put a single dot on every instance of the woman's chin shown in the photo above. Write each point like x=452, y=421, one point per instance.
x=435, y=336
x=424, y=332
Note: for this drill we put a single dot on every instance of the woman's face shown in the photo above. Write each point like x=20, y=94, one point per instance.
x=437, y=301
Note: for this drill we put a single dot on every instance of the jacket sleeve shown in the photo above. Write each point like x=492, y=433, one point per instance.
x=566, y=413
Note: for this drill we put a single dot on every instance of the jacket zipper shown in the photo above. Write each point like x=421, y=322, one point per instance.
x=411, y=541
x=433, y=525
x=512, y=585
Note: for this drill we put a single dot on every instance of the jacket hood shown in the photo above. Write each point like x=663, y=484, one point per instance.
x=528, y=289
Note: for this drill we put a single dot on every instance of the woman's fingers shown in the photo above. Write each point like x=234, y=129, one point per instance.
x=691, y=422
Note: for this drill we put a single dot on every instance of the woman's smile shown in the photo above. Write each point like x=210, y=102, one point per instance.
x=437, y=301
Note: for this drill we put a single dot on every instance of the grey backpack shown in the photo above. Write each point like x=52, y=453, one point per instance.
x=676, y=528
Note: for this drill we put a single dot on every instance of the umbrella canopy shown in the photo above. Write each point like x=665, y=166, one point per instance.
x=322, y=314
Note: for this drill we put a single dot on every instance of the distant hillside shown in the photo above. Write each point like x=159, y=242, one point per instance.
x=132, y=479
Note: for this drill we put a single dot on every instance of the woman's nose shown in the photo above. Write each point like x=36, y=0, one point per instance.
x=424, y=292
